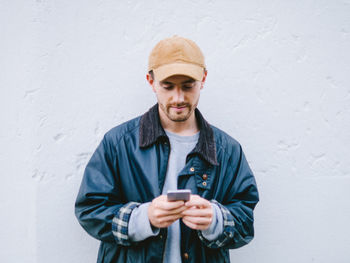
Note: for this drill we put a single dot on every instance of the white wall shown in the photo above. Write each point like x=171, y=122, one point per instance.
x=278, y=82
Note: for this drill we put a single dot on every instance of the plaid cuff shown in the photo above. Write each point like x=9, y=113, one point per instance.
x=227, y=234
x=120, y=223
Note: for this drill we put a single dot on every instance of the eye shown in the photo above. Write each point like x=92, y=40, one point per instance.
x=167, y=87
x=188, y=86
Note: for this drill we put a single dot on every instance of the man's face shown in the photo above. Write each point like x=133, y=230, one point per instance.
x=177, y=96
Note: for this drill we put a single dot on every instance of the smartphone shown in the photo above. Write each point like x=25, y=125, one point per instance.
x=182, y=194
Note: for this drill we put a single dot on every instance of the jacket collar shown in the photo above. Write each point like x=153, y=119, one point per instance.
x=152, y=131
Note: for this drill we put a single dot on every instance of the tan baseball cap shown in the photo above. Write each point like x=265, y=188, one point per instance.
x=176, y=56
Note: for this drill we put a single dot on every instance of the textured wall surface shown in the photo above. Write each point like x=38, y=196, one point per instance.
x=278, y=82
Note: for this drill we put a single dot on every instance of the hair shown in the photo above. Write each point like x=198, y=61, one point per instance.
x=151, y=74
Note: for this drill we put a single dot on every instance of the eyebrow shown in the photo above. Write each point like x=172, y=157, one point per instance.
x=184, y=82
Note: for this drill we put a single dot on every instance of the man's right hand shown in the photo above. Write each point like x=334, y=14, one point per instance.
x=162, y=213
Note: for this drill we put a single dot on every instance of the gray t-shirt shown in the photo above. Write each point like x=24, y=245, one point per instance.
x=139, y=225
x=180, y=147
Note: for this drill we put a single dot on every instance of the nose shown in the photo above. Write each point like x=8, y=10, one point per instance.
x=178, y=96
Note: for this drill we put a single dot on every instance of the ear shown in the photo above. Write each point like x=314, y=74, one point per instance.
x=204, y=78
x=150, y=81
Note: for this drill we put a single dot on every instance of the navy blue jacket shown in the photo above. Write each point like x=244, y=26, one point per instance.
x=128, y=168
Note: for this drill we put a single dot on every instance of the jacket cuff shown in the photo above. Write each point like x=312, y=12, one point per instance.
x=228, y=229
x=120, y=223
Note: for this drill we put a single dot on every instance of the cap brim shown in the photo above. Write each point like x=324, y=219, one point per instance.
x=191, y=70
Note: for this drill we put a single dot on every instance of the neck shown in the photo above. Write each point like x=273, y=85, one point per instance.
x=185, y=128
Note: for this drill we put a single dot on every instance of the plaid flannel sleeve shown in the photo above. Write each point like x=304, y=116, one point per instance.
x=228, y=231
x=120, y=223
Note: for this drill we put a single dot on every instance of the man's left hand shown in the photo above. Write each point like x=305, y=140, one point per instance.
x=199, y=214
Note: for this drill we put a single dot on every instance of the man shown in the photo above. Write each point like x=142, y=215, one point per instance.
x=122, y=199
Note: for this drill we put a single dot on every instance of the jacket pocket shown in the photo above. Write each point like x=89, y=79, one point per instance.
x=204, y=185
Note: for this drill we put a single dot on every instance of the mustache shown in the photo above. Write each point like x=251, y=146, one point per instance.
x=178, y=105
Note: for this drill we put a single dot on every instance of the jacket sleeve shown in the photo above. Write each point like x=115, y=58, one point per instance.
x=99, y=206
x=240, y=196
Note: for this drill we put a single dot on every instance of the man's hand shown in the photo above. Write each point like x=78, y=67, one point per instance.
x=162, y=213
x=199, y=214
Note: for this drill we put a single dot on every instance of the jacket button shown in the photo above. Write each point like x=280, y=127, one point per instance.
x=160, y=236
x=205, y=177
x=192, y=169
x=204, y=183
x=185, y=256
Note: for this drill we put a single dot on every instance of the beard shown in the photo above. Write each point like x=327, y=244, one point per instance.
x=181, y=115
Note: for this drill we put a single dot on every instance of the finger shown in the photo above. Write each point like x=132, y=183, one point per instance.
x=189, y=224
x=176, y=211
x=166, y=205
x=198, y=212
x=160, y=200
x=167, y=219
x=198, y=203
x=196, y=200
x=197, y=220
x=194, y=226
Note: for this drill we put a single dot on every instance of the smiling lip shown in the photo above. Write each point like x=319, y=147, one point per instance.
x=179, y=108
